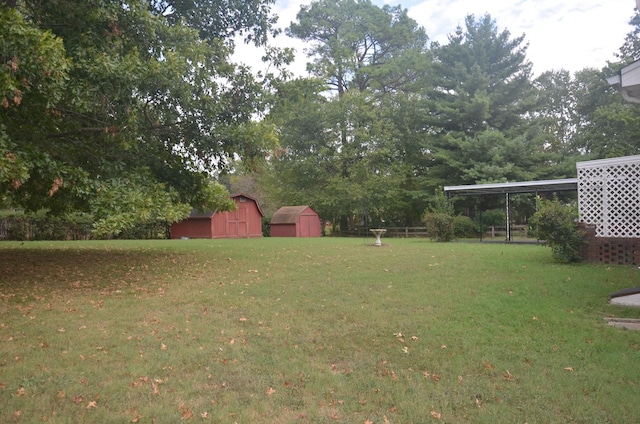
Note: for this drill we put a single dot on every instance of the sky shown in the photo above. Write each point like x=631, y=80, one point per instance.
x=562, y=34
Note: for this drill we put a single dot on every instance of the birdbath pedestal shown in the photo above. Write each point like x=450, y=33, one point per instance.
x=378, y=232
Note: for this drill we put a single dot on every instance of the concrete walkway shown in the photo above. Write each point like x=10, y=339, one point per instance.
x=628, y=323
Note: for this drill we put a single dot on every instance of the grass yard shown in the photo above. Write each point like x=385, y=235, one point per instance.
x=311, y=331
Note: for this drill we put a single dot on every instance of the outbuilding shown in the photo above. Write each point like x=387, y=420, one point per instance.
x=244, y=222
x=296, y=221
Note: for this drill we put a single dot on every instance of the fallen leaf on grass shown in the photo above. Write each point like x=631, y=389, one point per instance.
x=436, y=415
x=92, y=404
x=570, y=369
x=163, y=346
x=270, y=391
x=20, y=391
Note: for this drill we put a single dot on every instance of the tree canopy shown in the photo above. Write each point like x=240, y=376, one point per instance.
x=390, y=118
x=126, y=109
x=107, y=105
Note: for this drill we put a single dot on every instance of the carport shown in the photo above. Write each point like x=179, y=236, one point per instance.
x=542, y=186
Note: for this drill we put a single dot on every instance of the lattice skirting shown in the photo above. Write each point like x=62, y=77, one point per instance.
x=610, y=250
x=609, y=195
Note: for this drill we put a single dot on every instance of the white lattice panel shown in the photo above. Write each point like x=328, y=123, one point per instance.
x=609, y=196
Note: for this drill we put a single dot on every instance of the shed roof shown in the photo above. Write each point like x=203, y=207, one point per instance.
x=565, y=184
x=195, y=213
x=236, y=195
x=288, y=214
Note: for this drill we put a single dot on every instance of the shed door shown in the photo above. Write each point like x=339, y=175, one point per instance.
x=243, y=224
x=306, y=222
x=237, y=224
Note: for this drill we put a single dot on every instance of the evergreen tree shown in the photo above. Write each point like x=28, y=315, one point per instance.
x=478, y=108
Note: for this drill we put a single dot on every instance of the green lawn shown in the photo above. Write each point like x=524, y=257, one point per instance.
x=311, y=331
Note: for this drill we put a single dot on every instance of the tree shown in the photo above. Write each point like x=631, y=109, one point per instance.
x=104, y=99
x=609, y=126
x=341, y=144
x=478, y=108
x=482, y=79
x=356, y=45
x=556, y=110
x=630, y=49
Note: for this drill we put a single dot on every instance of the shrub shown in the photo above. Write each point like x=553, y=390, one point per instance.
x=439, y=226
x=486, y=219
x=266, y=226
x=438, y=219
x=464, y=227
x=555, y=223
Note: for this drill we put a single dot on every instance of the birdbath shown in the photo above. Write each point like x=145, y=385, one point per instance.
x=378, y=232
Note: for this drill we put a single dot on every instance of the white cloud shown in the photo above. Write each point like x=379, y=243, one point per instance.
x=562, y=34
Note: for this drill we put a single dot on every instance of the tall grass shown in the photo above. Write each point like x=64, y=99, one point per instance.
x=311, y=331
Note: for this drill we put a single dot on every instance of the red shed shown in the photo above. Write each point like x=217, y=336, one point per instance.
x=244, y=222
x=296, y=221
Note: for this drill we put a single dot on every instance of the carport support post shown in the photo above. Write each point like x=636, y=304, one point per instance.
x=508, y=226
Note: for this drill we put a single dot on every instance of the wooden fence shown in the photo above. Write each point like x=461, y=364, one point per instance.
x=393, y=232
x=493, y=232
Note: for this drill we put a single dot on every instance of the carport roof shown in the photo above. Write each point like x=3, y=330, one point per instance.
x=566, y=184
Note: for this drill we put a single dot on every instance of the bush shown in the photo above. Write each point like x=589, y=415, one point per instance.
x=490, y=218
x=266, y=226
x=464, y=227
x=555, y=223
x=439, y=226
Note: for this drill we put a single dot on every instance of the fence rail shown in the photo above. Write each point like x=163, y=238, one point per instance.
x=393, y=232
x=492, y=232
